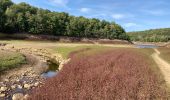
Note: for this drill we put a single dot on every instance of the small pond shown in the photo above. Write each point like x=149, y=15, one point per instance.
x=52, y=71
x=146, y=46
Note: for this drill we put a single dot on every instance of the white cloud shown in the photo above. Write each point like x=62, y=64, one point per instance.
x=62, y=3
x=117, y=16
x=85, y=10
x=130, y=24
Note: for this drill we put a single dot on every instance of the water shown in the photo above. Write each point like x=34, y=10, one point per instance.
x=146, y=46
x=52, y=71
x=49, y=74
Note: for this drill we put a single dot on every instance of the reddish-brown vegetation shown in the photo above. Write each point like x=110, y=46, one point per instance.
x=113, y=75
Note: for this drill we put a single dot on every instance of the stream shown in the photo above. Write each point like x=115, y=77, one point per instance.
x=52, y=70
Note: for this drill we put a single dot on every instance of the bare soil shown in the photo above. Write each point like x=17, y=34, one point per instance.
x=163, y=65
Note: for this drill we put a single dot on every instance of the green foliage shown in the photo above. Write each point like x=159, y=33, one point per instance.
x=25, y=18
x=4, y=4
x=10, y=59
x=154, y=35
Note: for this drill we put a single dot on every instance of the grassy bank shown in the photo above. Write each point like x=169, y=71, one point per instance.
x=10, y=60
x=65, y=50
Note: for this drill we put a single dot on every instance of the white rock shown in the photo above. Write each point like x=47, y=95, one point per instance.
x=36, y=84
x=27, y=86
x=26, y=97
x=6, y=80
x=3, y=89
x=13, y=86
x=18, y=96
x=2, y=95
x=19, y=86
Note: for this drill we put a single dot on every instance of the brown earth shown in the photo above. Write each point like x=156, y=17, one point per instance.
x=25, y=36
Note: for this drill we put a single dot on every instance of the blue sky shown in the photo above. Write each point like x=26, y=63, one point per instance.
x=133, y=15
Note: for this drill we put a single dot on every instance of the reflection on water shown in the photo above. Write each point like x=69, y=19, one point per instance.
x=146, y=46
x=52, y=71
x=49, y=74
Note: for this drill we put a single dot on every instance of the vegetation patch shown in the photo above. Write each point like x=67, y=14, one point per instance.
x=10, y=60
x=65, y=51
x=154, y=35
x=116, y=74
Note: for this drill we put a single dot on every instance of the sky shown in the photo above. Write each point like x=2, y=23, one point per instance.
x=132, y=15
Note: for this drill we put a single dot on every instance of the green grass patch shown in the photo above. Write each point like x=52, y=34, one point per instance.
x=10, y=60
x=65, y=50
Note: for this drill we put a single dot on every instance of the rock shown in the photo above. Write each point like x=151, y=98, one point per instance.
x=2, y=89
x=18, y=96
x=27, y=86
x=19, y=86
x=17, y=80
x=13, y=86
x=26, y=97
x=24, y=74
x=6, y=80
x=1, y=84
x=24, y=82
x=36, y=84
x=2, y=95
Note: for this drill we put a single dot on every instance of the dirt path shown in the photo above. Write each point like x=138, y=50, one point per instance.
x=163, y=65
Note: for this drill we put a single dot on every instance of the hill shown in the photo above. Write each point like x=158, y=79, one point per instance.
x=153, y=35
x=24, y=18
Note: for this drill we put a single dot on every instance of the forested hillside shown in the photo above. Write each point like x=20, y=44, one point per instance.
x=24, y=18
x=153, y=35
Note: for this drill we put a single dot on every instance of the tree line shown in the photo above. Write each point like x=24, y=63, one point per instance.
x=153, y=35
x=22, y=17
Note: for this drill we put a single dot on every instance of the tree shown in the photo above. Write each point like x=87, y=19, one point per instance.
x=25, y=18
x=4, y=4
x=17, y=17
